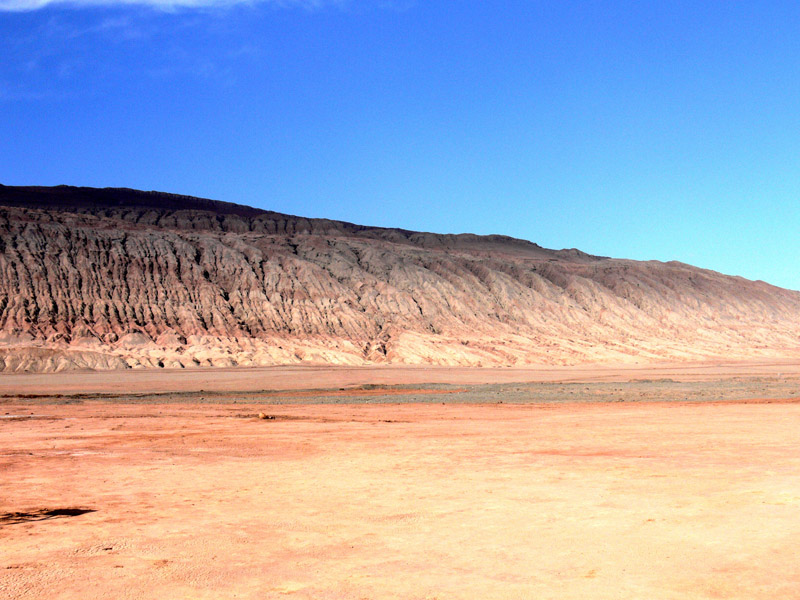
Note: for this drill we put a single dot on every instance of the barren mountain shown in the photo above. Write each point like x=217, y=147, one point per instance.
x=117, y=278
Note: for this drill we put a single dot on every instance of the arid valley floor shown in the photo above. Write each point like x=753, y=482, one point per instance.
x=673, y=481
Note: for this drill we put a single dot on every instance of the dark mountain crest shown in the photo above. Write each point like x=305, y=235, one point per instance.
x=134, y=205
x=71, y=199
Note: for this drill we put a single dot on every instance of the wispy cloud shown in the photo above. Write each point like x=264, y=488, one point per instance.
x=31, y=5
x=118, y=27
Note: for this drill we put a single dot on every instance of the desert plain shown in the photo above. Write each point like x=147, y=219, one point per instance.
x=665, y=481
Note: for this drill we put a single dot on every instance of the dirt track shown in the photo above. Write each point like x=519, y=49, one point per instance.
x=325, y=377
x=589, y=500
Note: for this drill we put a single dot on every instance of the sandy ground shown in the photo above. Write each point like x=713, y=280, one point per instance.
x=408, y=501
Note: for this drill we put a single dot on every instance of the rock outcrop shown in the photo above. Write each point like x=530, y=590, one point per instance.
x=116, y=278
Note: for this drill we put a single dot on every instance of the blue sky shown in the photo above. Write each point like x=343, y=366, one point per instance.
x=647, y=130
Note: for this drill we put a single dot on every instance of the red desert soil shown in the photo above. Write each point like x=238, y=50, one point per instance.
x=408, y=501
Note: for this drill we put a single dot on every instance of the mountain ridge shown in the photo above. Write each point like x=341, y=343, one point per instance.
x=127, y=203
x=89, y=280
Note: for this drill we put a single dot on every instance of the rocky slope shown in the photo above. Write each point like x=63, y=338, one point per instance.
x=117, y=278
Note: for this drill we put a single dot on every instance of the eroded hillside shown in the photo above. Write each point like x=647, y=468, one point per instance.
x=119, y=278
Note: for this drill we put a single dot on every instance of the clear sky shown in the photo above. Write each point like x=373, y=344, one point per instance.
x=665, y=130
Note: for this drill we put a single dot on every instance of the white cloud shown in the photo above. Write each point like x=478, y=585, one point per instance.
x=31, y=5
